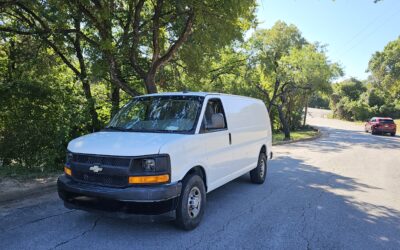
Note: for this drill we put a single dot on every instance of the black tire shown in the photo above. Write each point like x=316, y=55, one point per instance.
x=189, y=218
x=373, y=132
x=392, y=134
x=259, y=174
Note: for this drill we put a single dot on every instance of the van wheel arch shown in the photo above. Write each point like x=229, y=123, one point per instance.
x=258, y=174
x=198, y=170
x=264, y=149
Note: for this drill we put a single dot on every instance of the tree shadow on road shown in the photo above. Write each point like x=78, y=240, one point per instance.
x=336, y=218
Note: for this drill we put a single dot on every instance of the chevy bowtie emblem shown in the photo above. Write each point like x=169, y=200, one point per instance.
x=96, y=169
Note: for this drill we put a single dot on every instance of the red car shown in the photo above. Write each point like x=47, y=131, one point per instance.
x=381, y=125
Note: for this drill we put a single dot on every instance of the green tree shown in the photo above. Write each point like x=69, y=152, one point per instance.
x=385, y=69
x=135, y=36
x=345, y=97
x=291, y=70
x=127, y=42
x=40, y=108
x=306, y=71
x=351, y=88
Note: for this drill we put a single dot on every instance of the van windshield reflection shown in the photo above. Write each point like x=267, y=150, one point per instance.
x=160, y=114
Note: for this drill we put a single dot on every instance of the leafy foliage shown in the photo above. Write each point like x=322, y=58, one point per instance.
x=385, y=69
x=379, y=95
x=291, y=70
x=63, y=64
x=36, y=123
x=355, y=100
x=40, y=108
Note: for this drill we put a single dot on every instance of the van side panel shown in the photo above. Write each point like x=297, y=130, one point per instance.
x=249, y=125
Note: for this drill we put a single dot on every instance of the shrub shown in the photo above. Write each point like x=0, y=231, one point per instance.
x=36, y=121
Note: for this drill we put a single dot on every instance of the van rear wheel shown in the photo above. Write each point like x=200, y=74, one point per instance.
x=259, y=174
x=191, y=203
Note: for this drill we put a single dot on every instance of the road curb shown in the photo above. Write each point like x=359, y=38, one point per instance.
x=318, y=135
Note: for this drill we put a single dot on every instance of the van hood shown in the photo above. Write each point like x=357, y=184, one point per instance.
x=121, y=143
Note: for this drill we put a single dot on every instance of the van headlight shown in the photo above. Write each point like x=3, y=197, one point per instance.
x=154, y=169
x=149, y=165
x=152, y=165
x=69, y=157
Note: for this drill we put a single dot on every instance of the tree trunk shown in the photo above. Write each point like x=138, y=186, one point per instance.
x=288, y=114
x=83, y=76
x=95, y=123
x=271, y=118
x=285, y=125
x=115, y=98
x=116, y=77
x=11, y=60
x=150, y=82
x=305, y=112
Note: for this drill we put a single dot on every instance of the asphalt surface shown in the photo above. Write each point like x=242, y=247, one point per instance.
x=340, y=191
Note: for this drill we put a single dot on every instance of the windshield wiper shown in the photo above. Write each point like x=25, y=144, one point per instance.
x=115, y=128
x=162, y=131
x=142, y=130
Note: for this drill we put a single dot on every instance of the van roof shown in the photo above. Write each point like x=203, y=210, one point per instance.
x=189, y=93
x=183, y=93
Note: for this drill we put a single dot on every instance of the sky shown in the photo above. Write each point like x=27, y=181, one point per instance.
x=353, y=30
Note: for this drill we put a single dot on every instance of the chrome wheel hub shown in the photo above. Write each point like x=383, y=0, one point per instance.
x=263, y=167
x=194, y=202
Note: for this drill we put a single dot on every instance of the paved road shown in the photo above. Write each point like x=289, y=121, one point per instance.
x=340, y=191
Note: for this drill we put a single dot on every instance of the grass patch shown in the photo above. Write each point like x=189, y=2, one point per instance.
x=295, y=135
x=24, y=173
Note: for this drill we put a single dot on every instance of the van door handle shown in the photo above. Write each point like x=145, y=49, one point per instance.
x=230, y=139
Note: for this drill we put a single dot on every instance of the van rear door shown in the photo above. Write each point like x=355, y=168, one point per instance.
x=248, y=128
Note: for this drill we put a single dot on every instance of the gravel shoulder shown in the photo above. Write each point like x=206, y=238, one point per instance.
x=12, y=189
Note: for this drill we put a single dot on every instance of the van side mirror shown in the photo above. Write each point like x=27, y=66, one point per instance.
x=217, y=122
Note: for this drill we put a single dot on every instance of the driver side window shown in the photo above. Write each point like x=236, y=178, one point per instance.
x=214, y=117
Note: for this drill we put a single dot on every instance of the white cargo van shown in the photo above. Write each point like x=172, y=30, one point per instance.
x=162, y=153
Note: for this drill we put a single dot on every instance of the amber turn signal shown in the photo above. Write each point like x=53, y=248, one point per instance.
x=149, y=179
x=67, y=171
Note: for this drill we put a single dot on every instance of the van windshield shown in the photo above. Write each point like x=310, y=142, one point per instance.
x=169, y=114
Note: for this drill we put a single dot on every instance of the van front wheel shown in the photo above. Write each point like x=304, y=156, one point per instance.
x=192, y=202
x=258, y=174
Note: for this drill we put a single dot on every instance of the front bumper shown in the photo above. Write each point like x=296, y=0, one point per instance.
x=134, y=199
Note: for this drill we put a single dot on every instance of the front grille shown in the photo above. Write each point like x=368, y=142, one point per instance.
x=102, y=179
x=102, y=160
